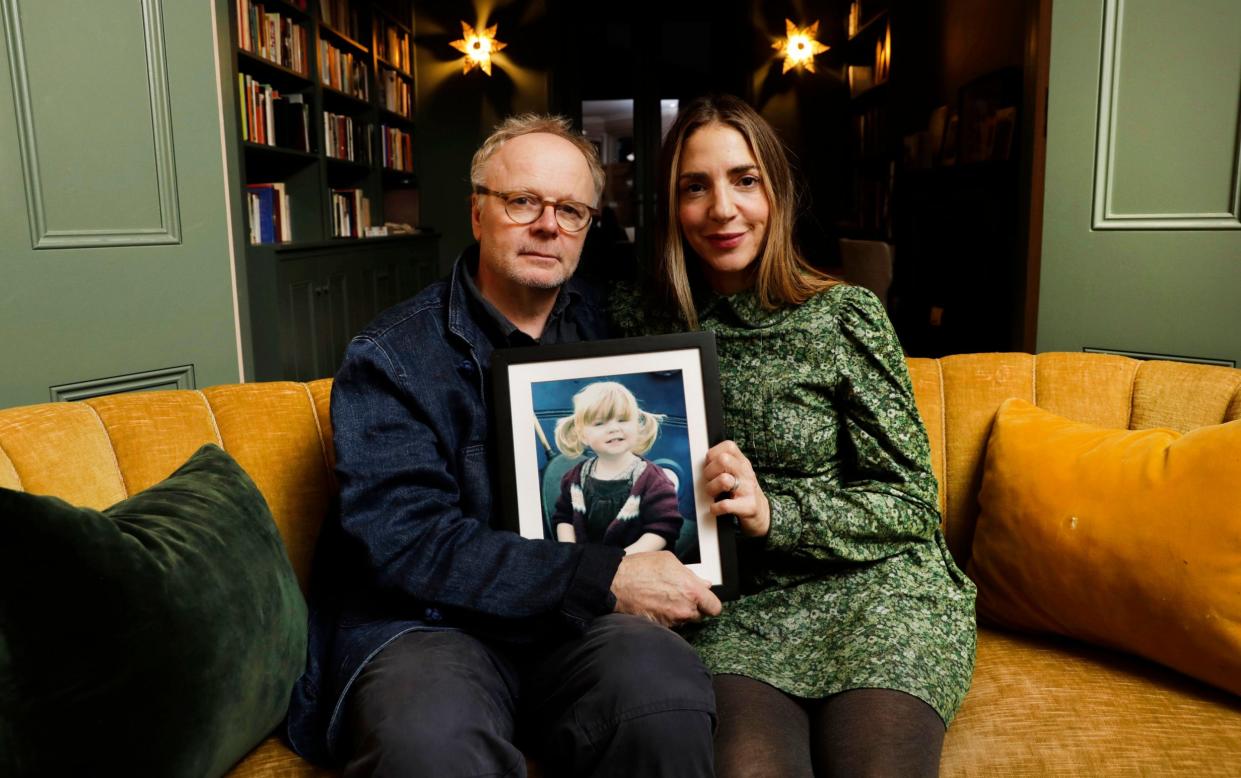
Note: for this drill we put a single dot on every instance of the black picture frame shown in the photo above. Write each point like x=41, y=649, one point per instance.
x=675, y=376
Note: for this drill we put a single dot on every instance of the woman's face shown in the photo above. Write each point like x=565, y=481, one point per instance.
x=722, y=205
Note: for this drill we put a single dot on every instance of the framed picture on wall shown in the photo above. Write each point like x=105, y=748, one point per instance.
x=605, y=441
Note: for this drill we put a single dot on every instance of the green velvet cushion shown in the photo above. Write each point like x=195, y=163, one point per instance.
x=160, y=637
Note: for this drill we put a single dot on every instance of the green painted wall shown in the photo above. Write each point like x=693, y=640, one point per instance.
x=114, y=242
x=1142, y=235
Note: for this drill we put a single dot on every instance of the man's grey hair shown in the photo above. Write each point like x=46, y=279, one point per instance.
x=525, y=124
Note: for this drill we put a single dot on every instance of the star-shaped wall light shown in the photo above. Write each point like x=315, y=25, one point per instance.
x=799, y=46
x=478, y=46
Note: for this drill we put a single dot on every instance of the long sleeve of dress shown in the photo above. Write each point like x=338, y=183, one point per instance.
x=880, y=498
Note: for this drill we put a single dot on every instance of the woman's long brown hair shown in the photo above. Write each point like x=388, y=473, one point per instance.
x=782, y=276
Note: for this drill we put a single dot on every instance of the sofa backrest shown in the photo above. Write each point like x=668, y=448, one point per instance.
x=97, y=452
x=959, y=395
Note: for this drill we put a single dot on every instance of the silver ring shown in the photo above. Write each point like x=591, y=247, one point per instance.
x=736, y=482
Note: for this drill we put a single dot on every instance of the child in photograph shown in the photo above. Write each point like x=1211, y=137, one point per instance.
x=615, y=496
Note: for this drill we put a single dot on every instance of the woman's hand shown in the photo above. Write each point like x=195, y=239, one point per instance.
x=727, y=470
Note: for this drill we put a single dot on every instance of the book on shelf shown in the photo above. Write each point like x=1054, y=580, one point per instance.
x=395, y=92
x=342, y=16
x=268, y=206
x=883, y=55
x=271, y=118
x=342, y=71
x=397, y=148
x=861, y=78
x=271, y=36
x=392, y=44
x=351, y=213
x=346, y=138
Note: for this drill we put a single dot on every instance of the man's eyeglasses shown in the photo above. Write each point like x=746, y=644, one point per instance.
x=525, y=208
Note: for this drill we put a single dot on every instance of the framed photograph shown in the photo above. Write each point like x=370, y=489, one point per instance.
x=605, y=441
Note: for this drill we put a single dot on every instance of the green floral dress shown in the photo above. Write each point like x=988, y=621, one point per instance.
x=854, y=586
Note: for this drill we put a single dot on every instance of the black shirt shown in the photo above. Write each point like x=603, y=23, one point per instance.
x=561, y=326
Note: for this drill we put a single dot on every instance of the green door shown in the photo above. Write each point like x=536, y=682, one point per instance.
x=1142, y=222
x=115, y=259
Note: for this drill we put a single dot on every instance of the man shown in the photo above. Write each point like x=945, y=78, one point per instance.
x=437, y=641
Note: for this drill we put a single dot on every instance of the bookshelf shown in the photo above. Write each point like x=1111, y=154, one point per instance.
x=868, y=56
x=324, y=93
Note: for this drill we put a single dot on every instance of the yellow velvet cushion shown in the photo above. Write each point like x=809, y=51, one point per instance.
x=1129, y=539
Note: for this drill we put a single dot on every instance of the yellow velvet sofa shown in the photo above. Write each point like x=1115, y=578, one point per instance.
x=1038, y=705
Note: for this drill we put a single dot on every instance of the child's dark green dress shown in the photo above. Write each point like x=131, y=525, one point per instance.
x=854, y=586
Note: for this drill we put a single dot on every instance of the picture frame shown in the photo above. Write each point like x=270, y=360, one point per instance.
x=674, y=382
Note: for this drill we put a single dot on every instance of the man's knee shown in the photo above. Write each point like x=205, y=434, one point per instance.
x=643, y=664
x=446, y=739
x=432, y=704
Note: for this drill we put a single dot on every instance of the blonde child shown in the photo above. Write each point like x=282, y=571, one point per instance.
x=615, y=496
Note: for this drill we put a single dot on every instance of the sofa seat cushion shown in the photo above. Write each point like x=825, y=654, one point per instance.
x=160, y=636
x=1123, y=538
x=273, y=759
x=1052, y=706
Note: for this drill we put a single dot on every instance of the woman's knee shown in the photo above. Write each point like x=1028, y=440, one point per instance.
x=877, y=732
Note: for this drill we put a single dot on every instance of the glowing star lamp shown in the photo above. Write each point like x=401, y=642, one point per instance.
x=799, y=46
x=477, y=47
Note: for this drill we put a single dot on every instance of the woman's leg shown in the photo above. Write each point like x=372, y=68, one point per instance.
x=762, y=731
x=876, y=732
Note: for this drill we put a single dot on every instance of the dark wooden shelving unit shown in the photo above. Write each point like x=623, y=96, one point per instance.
x=309, y=295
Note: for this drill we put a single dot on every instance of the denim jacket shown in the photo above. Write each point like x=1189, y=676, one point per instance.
x=412, y=546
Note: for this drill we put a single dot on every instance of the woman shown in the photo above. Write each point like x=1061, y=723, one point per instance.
x=853, y=643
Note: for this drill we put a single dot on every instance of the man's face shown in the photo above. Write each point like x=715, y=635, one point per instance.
x=538, y=255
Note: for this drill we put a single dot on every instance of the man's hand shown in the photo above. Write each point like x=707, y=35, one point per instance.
x=656, y=585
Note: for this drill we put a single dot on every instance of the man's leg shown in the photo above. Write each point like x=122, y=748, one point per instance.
x=627, y=698
x=434, y=703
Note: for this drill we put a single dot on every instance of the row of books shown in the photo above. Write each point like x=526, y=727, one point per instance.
x=397, y=147
x=870, y=132
x=351, y=213
x=271, y=35
x=271, y=118
x=344, y=138
x=392, y=45
x=872, y=199
x=343, y=71
x=268, y=206
x=854, y=21
x=341, y=16
x=395, y=92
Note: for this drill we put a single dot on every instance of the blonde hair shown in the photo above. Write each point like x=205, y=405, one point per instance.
x=601, y=401
x=526, y=124
x=783, y=276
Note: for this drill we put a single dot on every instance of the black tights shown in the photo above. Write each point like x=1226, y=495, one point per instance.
x=861, y=732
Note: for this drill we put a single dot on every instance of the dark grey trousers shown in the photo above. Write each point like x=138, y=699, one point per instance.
x=628, y=698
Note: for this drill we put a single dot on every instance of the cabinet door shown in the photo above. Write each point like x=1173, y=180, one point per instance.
x=381, y=285
x=315, y=315
x=299, y=293
x=329, y=295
